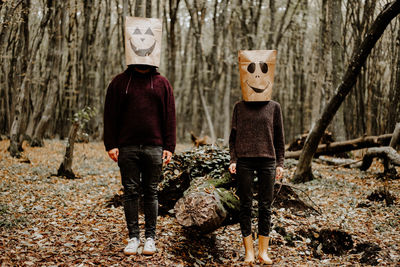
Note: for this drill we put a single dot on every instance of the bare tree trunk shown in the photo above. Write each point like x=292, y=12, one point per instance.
x=303, y=171
x=394, y=95
x=105, y=41
x=335, y=7
x=148, y=8
x=173, y=11
x=139, y=8
x=286, y=21
x=56, y=41
x=196, y=12
x=65, y=168
x=20, y=115
x=319, y=94
x=271, y=30
x=249, y=21
x=396, y=136
x=226, y=103
x=6, y=89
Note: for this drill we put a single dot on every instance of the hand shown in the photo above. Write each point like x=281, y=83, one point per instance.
x=232, y=168
x=166, y=156
x=113, y=154
x=279, y=173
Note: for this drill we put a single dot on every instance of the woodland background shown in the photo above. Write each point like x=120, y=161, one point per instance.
x=58, y=57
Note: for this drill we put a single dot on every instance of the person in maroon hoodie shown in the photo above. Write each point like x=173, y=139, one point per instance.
x=139, y=134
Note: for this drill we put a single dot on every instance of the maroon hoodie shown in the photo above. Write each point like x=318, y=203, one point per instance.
x=139, y=110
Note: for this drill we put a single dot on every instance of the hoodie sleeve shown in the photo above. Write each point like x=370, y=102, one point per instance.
x=111, y=116
x=170, y=120
x=279, y=137
x=232, y=137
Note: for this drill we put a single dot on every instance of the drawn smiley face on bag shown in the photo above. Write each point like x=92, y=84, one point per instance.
x=257, y=69
x=143, y=41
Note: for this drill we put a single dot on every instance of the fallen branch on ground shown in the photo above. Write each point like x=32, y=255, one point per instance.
x=345, y=146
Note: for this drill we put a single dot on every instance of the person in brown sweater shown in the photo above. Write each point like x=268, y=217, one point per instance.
x=256, y=145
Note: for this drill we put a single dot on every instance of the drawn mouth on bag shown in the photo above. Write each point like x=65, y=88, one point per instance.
x=143, y=52
x=258, y=90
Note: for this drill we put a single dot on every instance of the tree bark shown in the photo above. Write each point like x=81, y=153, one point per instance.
x=271, y=29
x=335, y=6
x=171, y=34
x=394, y=94
x=303, y=171
x=20, y=115
x=197, y=17
x=148, y=8
x=396, y=136
x=139, y=8
x=56, y=43
x=318, y=97
x=65, y=169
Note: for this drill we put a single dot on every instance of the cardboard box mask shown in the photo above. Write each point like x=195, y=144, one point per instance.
x=143, y=41
x=257, y=69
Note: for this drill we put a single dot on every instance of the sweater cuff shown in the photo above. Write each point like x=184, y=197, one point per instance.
x=110, y=146
x=169, y=148
x=279, y=164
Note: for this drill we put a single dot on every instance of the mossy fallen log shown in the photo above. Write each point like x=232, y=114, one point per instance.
x=185, y=167
x=211, y=203
x=206, y=204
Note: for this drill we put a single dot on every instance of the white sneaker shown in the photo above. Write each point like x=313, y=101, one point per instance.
x=149, y=246
x=132, y=247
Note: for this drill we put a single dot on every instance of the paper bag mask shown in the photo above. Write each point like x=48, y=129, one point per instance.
x=257, y=69
x=143, y=41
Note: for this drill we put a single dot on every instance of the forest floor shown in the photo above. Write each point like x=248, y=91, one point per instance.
x=51, y=221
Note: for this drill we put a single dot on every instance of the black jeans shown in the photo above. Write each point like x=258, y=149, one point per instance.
x=245, y=169
x=140, y=167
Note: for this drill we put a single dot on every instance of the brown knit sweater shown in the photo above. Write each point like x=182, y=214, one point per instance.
x=257, y=131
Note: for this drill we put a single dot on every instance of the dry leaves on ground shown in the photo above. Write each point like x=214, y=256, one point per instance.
x=50, y=221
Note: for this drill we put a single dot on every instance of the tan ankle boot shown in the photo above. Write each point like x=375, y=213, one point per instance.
x=249, y=249
x=263, y=243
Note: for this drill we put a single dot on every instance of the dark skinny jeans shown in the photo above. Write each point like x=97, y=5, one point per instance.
x=140, y=167
x=245, y=169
